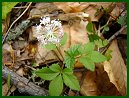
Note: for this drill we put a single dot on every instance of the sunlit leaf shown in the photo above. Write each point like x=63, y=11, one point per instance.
x=97, y=57
x=55, y=68
x=56, y=86
x=89, y=28
x=64, y=39
x=88, y=63
x=7, y=7
x=69, y=62
x=46, y=73
x=71, y=81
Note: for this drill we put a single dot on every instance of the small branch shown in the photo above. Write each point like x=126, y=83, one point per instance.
x=23, y=84
x=21, y=7
x=102, y=50
x=117, y=33
x=104, y=26
x=15, y=22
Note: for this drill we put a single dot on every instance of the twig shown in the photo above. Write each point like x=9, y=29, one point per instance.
x=29, y=67
x=102, y=50
x=15, y=22
x=104, y=26
x=117, y=33
x=23, y=84
x=23, y=7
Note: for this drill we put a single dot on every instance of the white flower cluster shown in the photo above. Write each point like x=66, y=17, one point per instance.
x=49, y=31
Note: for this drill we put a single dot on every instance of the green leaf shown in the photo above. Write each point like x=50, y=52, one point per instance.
x=89, y=28
x=97, y=57
x=106, y=28
x=122, y=20
x=70, y=55
x=93, y=37
x=108, y=54
x=88, y=63
x=50, y=46
x=74, y=50
x=8, y=81
x=46, y=73
x=101, y=43
x=55, y=68
x=56, y=86
x=7, y=7
x=64, y=39
x=105, y=42
x=68, y=71
x=89, y=47
x=71, y=81
x=69, y=62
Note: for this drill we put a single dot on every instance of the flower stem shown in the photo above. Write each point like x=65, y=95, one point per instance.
x=58, y=49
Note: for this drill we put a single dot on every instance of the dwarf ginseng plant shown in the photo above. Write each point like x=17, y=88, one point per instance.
x=50, y=34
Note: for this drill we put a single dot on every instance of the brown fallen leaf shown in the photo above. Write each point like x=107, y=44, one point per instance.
x=87, y=7
x=43, y=55
x=118, y=68
x=4, y=89
x=32, y=49
x=20, y=71
x=120, y=6
x=105, y=87
x=97, y=83
x=8, y=55
x=89, y=86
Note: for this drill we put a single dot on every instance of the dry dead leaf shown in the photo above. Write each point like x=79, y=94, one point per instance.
x=105, y=87
x=44, y=55
x=42, y=9
x=87, y=7
x=32, y=49
x=97, y=83
x=108, y=69
x=118, y=9
x=118, y=69
x=20, y=71
x=8, y=55
x=12, y=55
x=89, y=86
x=4, y=89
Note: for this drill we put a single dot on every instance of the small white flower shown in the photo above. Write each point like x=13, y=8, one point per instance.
x=49, y=31
x=45, y=20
